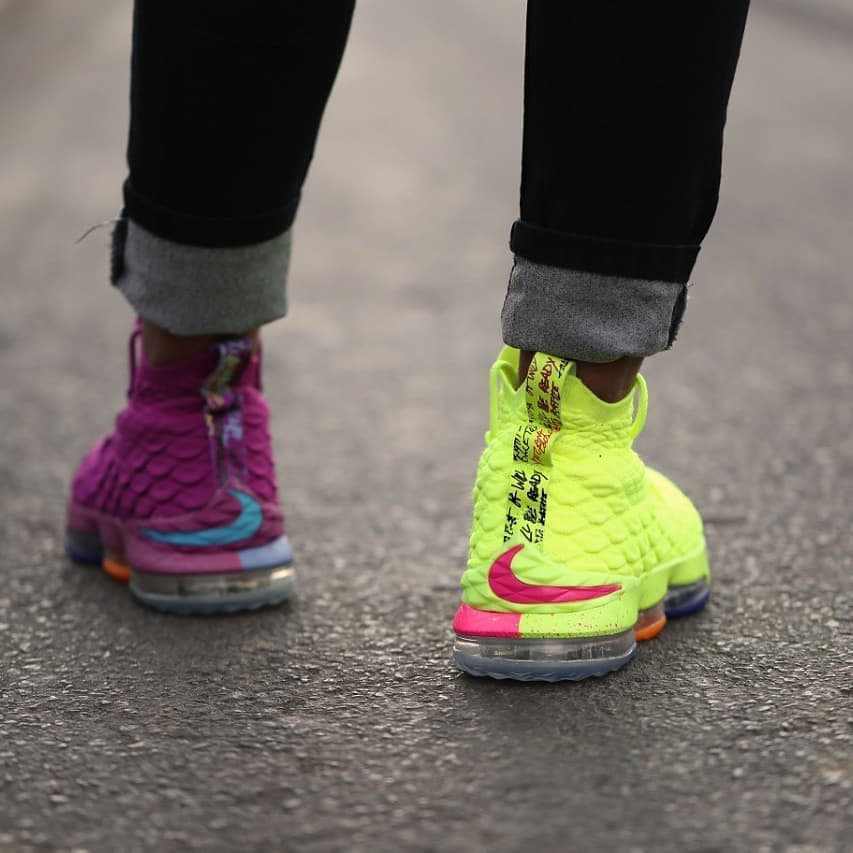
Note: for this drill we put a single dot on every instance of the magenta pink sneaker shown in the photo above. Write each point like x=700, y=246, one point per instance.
x=181, y=499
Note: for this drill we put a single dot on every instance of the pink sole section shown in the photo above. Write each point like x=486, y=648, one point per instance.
x=481, y=623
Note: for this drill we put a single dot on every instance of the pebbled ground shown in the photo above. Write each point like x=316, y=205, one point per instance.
x=337, y=721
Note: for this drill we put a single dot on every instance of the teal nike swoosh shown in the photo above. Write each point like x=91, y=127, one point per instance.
x=247, y=525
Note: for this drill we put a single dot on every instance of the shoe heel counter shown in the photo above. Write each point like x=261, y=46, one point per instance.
x=235, y=521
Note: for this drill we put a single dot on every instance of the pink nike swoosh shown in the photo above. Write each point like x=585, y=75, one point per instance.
x=507, y=586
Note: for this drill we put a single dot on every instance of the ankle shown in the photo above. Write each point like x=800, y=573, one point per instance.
x=610, y=382
x=162, y=347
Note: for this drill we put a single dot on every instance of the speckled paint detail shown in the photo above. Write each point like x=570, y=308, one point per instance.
x=559, y=486
x=618, y=615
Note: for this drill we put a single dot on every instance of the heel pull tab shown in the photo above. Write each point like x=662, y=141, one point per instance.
x=641, y=391
x=223, y=412
x=132, y=345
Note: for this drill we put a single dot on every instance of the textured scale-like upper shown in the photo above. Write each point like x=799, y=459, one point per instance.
x=158, y=461
x=607, y=515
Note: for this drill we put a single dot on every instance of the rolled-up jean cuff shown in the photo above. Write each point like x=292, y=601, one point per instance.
x=622, y=258
x=588, y=316
x=194, y=290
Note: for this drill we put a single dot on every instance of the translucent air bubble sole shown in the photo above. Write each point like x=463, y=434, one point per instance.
x=213, y=593
x=543, y=659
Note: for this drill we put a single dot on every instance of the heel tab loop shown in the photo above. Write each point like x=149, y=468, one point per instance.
x=641, y=392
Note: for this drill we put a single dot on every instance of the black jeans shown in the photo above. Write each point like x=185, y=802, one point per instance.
x=624, y=109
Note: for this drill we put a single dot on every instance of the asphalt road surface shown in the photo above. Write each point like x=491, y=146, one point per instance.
x=337, y=722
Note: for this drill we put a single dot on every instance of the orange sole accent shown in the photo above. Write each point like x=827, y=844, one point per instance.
x=116, y=569
x=646, y=632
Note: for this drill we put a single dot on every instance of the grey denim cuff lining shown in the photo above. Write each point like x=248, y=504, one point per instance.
x=588, y=316
x=192, y=290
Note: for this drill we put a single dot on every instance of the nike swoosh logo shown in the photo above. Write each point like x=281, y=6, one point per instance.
x=507, y=585
x=246, y=525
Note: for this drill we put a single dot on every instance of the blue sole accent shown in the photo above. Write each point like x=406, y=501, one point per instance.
x=691, y=605
x=84, y=558
x=276, y=553
x=551, y=671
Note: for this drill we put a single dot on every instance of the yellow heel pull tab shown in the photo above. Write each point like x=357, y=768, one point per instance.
x=642, y=392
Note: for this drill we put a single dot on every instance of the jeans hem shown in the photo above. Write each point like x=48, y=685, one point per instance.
x=192, y=290
x=587, y=316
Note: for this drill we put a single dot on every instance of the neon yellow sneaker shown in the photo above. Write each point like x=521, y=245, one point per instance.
x=577, y=549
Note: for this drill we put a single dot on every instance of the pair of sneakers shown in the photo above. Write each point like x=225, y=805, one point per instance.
x=577, y=549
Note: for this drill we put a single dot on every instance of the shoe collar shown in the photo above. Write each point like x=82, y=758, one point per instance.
x=553, y=396
x=230, y=364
